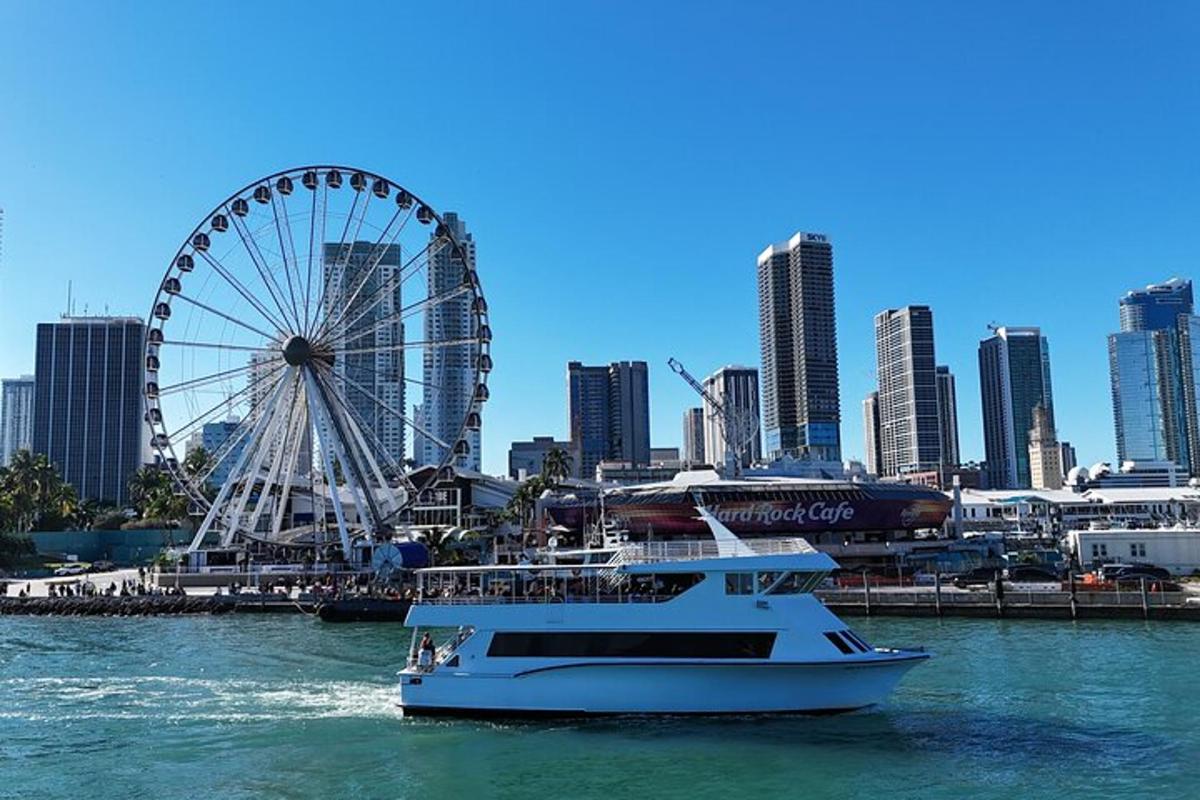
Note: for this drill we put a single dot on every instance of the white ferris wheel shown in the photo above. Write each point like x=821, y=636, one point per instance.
x=323, y=336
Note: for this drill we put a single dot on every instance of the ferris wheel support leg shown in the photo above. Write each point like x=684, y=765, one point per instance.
x=291, y=432
x=364, y=448
x=293, y=457
x=227, y=486
x=330, y=477
x=263, y=446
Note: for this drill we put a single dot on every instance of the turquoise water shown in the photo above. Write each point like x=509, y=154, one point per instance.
x=293, y=708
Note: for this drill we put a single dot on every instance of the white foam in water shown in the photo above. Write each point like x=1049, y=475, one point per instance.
x=176, y=699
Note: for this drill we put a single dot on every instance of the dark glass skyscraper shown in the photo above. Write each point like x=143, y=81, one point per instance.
x=1157, y=307
x=1153, y=364
x=609, y=414
x=798, y=335
x=87, y=415
x=1014, y=377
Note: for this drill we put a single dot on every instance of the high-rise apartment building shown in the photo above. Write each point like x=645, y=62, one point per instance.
x=451, y=368
x=947, y=398
x=1067, y=457
x=609, y=414
x=693, y=436
x=372, y=382
x=801, y=412
x=16, y=416
x=909, y=434
x=1157, y=307
x=1014, y=377
x=88, y=408
x=870, y=409
x=1153, y=364
x=1045, y=456
x=736, y=389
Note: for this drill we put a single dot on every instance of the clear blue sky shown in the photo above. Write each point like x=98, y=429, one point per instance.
x=621, y=165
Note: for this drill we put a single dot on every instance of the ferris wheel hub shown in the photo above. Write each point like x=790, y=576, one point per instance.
x=297, y=351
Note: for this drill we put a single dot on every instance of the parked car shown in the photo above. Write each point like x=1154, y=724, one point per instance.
x=980, y=576
x=103, y=566
x=1132, y=572
x=70, y=569
x=1032, y=573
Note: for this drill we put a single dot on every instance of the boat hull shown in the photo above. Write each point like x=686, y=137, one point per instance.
x=582, y=689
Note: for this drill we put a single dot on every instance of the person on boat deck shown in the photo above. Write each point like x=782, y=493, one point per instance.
x=425, y=658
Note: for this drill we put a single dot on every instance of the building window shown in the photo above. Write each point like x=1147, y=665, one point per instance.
x=1099, y=551
x=1137, y=549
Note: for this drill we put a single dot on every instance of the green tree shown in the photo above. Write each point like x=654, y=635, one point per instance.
x=524, y=500
x=34, y=493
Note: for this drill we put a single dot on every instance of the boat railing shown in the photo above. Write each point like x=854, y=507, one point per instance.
x=653, y=552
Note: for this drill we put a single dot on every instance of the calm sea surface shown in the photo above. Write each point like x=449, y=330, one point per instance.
x=291, y=707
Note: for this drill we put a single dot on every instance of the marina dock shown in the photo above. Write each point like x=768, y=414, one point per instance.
x=1012, y=604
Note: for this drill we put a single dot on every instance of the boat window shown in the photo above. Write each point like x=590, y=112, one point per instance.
x=739, y=583
x=798, y=583
x=767, y=579
x=839, y=643
x=631, y=644
x=857, y=640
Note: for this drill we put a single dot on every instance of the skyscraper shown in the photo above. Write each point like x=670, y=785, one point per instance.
x=451, y=368
x=629, y=412
x=693, y=436
x=609, y=414
x=947, y=417
x=88, y=409
x=736, y=389
x=1153, y=363
x=1045, y=456
x=1157, y=307
x=16, y=416
x=372, y=382
x=870, y=408
x=801, y=412
x=1014, y=377
x=909, y=434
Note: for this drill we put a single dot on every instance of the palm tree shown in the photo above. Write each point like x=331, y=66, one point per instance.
x=556, y=466
x=143, y=486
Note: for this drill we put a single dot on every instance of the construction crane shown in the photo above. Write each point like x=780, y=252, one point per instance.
x=738, y=426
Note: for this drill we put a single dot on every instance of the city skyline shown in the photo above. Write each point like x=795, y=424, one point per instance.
x=929, y=213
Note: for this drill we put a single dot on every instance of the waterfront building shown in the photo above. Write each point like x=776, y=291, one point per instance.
x=450, y=368
x=88, y=408
x=1153, y=363
x=608, y=411
x=1014, y=377
x=525, y=459
x=909, y=434
x=16, y=416
x=372, y=383
x=626, y=474
x=693, y=436
x=947, y=401
x=1045, y=456
x=798, y=335
x=664, y=455
x=870, y=407
x=735, y=388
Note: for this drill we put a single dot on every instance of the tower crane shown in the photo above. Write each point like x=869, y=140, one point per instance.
x=738, y=426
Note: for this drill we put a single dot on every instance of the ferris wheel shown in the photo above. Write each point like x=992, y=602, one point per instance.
x=316, y=358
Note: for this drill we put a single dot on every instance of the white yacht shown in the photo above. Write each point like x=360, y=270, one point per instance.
x=712, y=627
